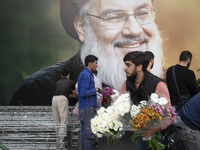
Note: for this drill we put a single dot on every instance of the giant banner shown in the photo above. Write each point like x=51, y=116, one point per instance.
x=34, y=37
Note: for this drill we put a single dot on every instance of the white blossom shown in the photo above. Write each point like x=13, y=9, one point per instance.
x=99, y=135
x=163, y=101
x=142, y=104
x=110, y=110
x=135, y=110
x=101, y=111
x=154, y=98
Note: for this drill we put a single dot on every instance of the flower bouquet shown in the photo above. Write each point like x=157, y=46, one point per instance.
x=75, y=110
x=151, y=113
x=122, y=116
x=107, y=121
x=109, y=96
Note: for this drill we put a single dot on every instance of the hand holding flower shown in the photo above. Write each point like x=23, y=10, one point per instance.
x=151, y=131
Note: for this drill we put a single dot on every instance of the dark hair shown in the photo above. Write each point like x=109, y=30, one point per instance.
x=65, y=72
x=185, y=55
x=150, y=54
x=94, y=72
x=138, y=58
x=90, y=58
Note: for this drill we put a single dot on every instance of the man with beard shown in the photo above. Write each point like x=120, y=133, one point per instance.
x=185, y=78
x=108, y=29
x=141, y=84
x=151, y=62
x=87, y=103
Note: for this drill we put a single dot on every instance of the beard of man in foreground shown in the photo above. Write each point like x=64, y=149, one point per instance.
x=110, y=69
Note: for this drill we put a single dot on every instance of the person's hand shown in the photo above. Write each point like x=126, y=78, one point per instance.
x=150, y=131
x=100, y=91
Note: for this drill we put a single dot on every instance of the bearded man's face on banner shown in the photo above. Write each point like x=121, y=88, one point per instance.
x=115, y=27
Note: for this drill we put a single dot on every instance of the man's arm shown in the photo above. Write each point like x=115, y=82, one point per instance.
x=84, y=88
x=193, y=87
x=73, y=95
x=161, y=91
x=123, y=88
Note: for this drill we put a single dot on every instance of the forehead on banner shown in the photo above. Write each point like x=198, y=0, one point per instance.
x=69, y=9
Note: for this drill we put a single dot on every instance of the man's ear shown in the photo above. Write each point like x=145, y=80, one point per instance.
x=139, y=67
x=89, y=64
x=188, y=60
x=80, y=28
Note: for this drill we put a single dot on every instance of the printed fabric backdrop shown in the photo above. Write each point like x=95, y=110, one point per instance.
x=32, y=37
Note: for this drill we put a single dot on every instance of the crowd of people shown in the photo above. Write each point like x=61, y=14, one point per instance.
x=121, y=40
x=140, y=83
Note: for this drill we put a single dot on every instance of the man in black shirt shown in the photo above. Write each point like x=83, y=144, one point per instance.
x=185, y=77
x=63, y=89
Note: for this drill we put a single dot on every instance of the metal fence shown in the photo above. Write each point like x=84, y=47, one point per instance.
x=32, y=127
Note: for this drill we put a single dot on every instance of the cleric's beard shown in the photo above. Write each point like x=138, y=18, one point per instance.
x=110, y=67
x=156, y=48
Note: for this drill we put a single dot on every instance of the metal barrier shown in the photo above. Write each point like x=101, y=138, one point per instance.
x=32, y=127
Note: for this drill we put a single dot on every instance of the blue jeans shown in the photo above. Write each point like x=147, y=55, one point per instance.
x=86, y=137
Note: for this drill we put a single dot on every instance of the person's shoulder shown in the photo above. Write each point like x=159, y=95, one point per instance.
x=187, y=70
x=83, y=73
x=71, y=81
x=153, y=76
x=170, y=68
x=191, y=71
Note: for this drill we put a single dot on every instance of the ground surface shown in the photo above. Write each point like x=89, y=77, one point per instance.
x=102, y=144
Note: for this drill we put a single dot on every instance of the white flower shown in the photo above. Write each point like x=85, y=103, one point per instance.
x=110, y=124
x=127, y=107
x=114, y=115
x=104, y=116
x=98, y=120
x=116, y=128
x=101, y=111
x=154, y=98
x=154, y=95
x=108, y=118
x=122, y=104
x=142, y=104
x=94, y=130
x=104, y=124
x=120, y=124
x=163, y=101
x=135, y=110
x=110, y=110
x=120, y=129
x=117, y=124
x=115, y=94
x=99, y=135
x=102, y=130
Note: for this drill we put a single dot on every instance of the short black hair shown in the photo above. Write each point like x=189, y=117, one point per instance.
x=150, y=54
x=138, y=58
x=185, y=55
x=90, y=58
x=65, y=72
